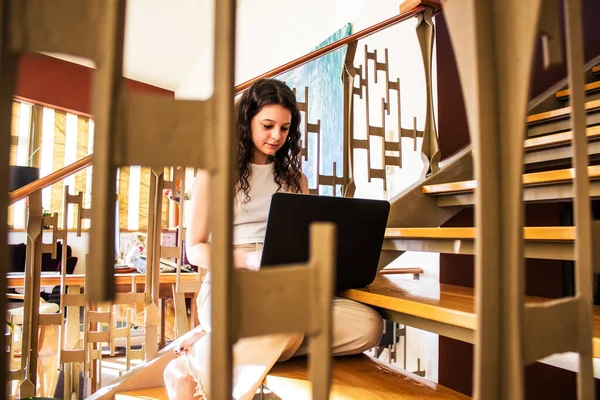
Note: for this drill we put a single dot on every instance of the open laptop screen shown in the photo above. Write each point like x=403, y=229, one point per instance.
x=360, y=230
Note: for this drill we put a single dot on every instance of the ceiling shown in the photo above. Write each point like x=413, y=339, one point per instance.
x=163, y=40
x=168, y=44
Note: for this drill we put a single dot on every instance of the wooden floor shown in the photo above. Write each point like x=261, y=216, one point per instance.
x=157, y=393
x=356, y=377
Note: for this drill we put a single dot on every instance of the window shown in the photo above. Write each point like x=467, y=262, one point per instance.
x=19, y=154
x=59, y=139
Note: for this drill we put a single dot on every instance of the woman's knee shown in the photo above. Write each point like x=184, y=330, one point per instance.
x=357, y=327
x=169, y=374
x=175, y=373
x=371, y=329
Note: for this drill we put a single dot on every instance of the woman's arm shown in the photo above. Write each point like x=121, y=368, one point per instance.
x=198, y=231
x=198, y=227
x=304, y=184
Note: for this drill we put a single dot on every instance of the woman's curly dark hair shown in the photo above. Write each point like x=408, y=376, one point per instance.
x=286, y=162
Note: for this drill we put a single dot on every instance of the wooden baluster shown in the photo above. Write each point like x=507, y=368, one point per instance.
x=431, y=144
x=153, y=261
x=582, y=213
x=29, y=354
x=501, y=34
x=109, y=63
x=221, y=379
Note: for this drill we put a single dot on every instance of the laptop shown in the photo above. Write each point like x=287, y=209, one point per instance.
x=360, y=230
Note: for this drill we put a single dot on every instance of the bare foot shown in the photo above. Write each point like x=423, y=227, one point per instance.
x=185, y=344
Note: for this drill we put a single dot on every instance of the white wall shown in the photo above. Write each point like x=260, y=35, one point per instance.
x=273, y=32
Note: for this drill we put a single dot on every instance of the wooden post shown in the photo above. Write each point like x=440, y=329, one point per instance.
x=109, y=61
x=221, y=380
x=430, y=148
x=8, y=78
x=582, y=205
x=31, y=304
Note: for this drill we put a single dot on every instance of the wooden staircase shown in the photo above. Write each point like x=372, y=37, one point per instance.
x=353, y=377
x=449, y=310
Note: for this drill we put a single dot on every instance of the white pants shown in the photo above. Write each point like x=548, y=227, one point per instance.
x=356, y=328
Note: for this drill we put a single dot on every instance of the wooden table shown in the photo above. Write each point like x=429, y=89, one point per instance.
x=122, y=281
x=123, y=284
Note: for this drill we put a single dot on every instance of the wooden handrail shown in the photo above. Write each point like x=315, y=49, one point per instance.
x=48, y=180
x=87, y=161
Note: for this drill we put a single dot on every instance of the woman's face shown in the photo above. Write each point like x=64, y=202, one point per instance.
x=270, y=128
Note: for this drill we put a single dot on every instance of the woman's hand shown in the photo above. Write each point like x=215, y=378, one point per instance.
x=187, y=342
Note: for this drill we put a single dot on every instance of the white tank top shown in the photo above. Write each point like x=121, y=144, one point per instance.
x=250, y=219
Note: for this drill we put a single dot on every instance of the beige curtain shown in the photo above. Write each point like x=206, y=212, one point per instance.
x=81, y=178
x=142, y=207
x=14, y=140
x=144, y=197
x=58, y=161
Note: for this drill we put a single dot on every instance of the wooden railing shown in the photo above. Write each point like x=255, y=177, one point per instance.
x=415, y=8
x=49, y=180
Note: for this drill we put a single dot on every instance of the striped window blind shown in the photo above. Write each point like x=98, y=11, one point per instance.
x=66, y=138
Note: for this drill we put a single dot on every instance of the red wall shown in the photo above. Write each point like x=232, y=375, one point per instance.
x=61, y=84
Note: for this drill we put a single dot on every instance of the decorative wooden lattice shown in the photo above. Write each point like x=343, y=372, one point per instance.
x=391, y=148
x=322, y=180
x=362, y=91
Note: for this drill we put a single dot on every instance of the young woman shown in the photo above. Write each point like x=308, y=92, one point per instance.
x=268, y=122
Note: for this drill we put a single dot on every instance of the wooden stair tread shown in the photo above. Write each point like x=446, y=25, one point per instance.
x=447, y=304
x=536, y=178
x=356, y=377
x=558, y=139
x=534, y=233
x=156, y=393
x=560, y=112
x=596, y=69
x=588, y=88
